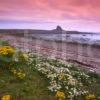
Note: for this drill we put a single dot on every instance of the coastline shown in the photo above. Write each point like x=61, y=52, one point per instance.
x=88, y=55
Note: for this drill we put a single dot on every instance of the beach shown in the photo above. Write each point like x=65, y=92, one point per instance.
x=85, y=54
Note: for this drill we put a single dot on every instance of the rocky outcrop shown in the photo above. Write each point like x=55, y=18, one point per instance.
x=59, y=28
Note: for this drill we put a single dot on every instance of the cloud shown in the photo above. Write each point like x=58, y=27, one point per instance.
x=76, y=11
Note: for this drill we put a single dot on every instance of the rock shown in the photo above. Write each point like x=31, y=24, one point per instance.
x=59, y=28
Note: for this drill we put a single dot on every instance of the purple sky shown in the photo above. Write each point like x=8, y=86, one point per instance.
x=82, y=15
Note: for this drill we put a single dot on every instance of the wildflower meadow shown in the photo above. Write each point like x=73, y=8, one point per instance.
x=29, y=76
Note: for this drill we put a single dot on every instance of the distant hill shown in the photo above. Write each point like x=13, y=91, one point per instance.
x=21, y=32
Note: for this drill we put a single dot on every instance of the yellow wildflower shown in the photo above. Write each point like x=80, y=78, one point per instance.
x=60, y=95
x=90, y=97
x=5, y=50
x=6, y=97
x=13, y=71
x=24, y=56
x=21, y=75
x=62, y=76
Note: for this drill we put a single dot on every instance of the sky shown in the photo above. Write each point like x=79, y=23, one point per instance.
x=80, y=15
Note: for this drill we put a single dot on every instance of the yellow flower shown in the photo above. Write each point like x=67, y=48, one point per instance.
x=90, y=97
x=21, y=75
x=62, y=76
x=6, y=97
x=4, y=53
x=13, y=71
x=60, y=95
x=24, y=56
x=5, y=50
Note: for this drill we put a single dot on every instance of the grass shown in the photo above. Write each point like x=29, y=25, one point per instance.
x=33, y=87
x=3, y=42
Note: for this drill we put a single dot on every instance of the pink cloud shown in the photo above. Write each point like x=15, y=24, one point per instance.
x=74, y=11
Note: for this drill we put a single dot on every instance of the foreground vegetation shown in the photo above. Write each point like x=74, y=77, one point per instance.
x=27, y=76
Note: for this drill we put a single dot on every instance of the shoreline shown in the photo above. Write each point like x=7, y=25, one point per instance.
x=68, y=40
x=88, y=55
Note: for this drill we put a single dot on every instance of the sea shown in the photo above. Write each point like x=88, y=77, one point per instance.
x=83, y=38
